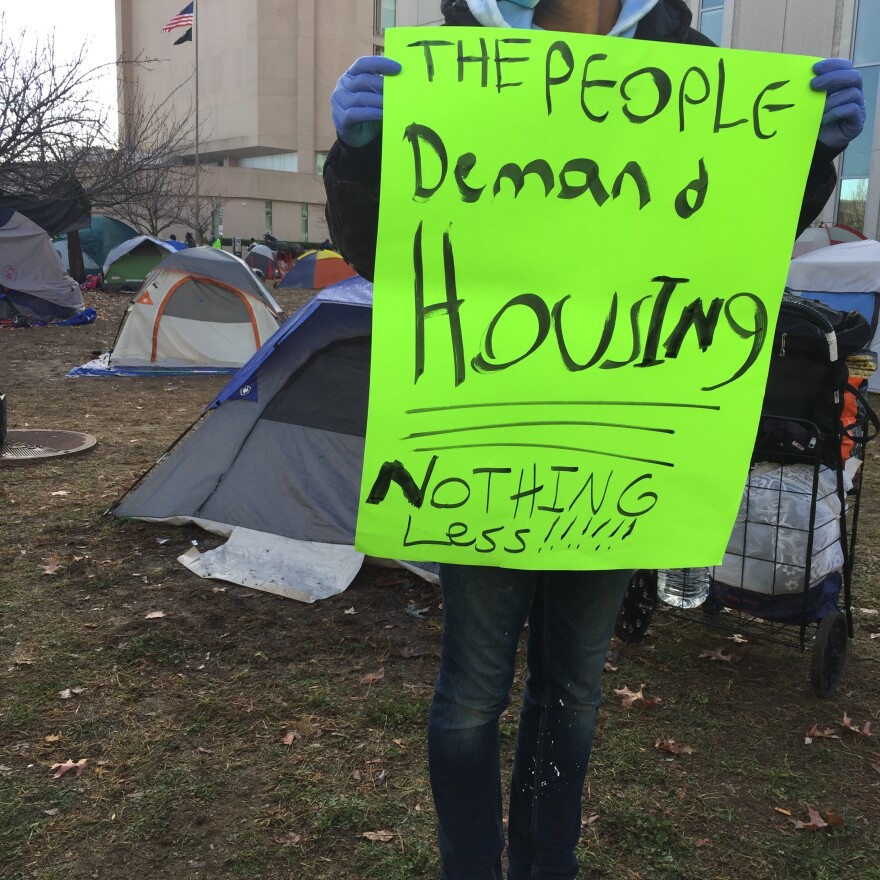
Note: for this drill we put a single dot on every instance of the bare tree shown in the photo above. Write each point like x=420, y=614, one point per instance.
x=202, y=222
x=56, y=139
x=144, y=177
x=853, y=201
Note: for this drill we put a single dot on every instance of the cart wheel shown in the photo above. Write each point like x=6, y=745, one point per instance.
x=829, y=654
x=639, y=602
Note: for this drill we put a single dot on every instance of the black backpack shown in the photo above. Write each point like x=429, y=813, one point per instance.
x=808, y=383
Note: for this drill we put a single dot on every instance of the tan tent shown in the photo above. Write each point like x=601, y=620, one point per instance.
x=200, y=307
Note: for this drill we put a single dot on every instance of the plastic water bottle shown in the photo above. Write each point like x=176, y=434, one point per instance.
x=683, y=587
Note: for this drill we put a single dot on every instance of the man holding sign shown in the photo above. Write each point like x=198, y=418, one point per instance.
x=542, y=431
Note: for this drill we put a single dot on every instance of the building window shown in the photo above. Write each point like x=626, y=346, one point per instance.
x=273, y=162
x=304, y=223
x=320, y=159
x=712, y=19
x=386, y=14
x=268, y=215
x=857, y=158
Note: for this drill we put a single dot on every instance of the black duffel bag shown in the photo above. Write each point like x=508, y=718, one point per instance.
x=808, y=382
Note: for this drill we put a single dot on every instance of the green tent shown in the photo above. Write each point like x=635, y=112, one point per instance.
x=129, y=263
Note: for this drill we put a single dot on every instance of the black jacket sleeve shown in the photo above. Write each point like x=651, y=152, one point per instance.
x=351, y=180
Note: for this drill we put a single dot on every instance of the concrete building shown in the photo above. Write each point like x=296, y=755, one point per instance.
x=266, y=71
x=267, y=68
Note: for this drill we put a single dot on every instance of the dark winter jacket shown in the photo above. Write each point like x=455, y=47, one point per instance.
x=352, y=174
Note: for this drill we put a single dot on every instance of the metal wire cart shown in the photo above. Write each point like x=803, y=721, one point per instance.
x=786, y=576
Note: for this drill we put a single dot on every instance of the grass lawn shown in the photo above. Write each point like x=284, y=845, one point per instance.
x=244, y=735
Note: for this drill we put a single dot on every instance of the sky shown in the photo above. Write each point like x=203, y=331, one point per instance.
x=86, y=22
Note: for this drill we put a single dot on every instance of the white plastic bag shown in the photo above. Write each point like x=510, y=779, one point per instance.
x=767, y=550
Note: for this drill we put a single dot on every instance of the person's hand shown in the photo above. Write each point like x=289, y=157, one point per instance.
x=357, y=101
x=844, y=116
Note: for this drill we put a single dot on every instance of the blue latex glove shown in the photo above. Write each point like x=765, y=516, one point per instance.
x=844, y=116
x=357, y=101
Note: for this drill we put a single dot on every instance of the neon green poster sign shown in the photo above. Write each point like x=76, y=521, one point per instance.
x=583, y=242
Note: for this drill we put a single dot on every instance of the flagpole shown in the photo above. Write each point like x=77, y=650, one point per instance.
x=198, y=162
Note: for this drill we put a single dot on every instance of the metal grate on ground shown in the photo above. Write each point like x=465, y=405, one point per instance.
x=23, y=446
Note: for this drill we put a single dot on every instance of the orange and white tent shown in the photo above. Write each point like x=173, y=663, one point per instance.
x=199, y=308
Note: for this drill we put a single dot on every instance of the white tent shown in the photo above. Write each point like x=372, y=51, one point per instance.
x=31, y=270
x=199, y=308
x=845, y=276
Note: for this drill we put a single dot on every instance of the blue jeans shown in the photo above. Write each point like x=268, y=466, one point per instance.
x=571, y=619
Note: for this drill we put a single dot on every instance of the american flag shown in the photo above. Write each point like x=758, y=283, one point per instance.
x=184, y=18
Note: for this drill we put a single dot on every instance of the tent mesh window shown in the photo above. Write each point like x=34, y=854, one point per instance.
x=202, y=301
x=329, y=391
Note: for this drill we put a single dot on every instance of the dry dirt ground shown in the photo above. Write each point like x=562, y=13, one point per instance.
x=240, y=734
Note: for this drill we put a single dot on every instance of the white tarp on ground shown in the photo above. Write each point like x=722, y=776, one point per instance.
x=30, y=264
x=301, y=570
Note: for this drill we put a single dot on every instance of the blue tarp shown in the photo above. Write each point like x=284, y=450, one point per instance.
x=100, y=366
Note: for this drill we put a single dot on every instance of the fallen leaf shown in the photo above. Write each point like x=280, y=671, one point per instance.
x=381, y=836
x=783, y=811
x=350, y=610
x=67, y=693
x=415, y=611
x=67, y=766
x=51, y=565
x=827, y=733
x=52, y=737
x=53, y=812
x=290, y=737
x=847, y=724
x=717, y=654
x=373, y=677
x=815, y=824
x=672, y=747
x=154, y=615
x=60, y=492
x=833, y=819
x=738, y=639
x=289, y=839
x=628, y=697
x=702, y=841
x=590, y=820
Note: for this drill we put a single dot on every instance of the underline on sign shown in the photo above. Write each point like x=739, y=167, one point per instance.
x=627, y=403
x=540, y=424
x=544, y=446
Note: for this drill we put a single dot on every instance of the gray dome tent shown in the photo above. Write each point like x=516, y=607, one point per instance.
x=276, y=461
